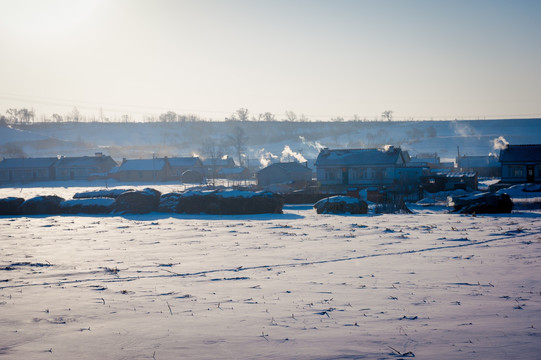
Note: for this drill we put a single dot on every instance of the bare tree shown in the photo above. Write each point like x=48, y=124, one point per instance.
x=212, y=150
x=169, y=116
x=291, y=116
x=387, y=115
x=238, y=141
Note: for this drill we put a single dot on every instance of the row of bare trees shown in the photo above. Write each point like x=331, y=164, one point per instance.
x=28, y=116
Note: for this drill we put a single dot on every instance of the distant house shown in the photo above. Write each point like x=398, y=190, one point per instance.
x=156, y=169
x=214, y=165
x=27, y=169
x=521, y=164
x=485, y=166
x=234, y=173
x=367, y=168
x=284, y=173
x=83, y=167
x=190, y=167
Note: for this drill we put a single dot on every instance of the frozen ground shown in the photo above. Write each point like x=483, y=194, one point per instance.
x=294, y=286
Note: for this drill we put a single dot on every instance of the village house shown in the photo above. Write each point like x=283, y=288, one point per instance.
x=294, y=173
x=156, y=169
x=214, y=165
x=27, y=169
x=186, y=169
x=521, y=164
x=83, y=167
x=368, y=168
x=484, y=166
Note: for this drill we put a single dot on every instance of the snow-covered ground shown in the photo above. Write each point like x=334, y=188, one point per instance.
x=293, y=286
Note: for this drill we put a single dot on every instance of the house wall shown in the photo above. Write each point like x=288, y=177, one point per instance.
x=141, y=175
x=26, y=174
x=366, y=176
x=74, y=173
x=518, y=173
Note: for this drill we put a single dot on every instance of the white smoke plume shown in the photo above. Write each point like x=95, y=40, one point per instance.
x=288, y=154
x=266, y=158
x=313, y=144
x=499, y=143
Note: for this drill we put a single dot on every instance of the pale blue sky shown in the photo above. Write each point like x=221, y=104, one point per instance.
x=419, y=58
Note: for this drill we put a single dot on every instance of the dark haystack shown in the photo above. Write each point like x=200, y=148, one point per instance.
x=87, y=206
x=8, y=206
x=105, y=193
x=341, y=205
x=218, y=204
x=169, y=202
x=484, y=203
x=137, y=202
x=41, y=205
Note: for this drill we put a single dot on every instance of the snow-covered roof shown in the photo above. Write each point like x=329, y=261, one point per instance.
x=352, y=157
x=289, y=167
x=227, y=161
x=189, y=161
x=85, y=161
x=521, y=153
x=142, y=165
x=22, y=163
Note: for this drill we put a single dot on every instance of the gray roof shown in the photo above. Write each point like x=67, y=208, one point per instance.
x=86, y=161
x=521, y=153
x=21, y=163
x=356, y=157
x=142, y=165
x=478, y=161
x=289, y=167
x=189, y=161
x=227, y=162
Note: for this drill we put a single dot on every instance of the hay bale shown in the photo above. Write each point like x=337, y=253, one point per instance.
x=41, y=205
x=8, y=206
x=104, y=193
x=483, y=203
x=137, y=202
x=87, y=206
x=341, y=205
x=230, y=203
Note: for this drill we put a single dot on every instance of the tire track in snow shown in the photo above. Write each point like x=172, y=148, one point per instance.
x=257, y=267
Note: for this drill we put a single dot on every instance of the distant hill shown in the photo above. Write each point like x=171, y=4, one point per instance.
x=139, y=140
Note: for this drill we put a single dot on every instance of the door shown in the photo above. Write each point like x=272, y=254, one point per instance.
x=530, y=173
x=345, y=176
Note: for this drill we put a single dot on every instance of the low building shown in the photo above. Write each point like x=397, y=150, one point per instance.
x=27, y=169
x=156, y=169
x=521, y=164
x=83, y=167
x=214, y=165
x=484, y=166
x=448, y=181
x=293, y=173
x=180, y=166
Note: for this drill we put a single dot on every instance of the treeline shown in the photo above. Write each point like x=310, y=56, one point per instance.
x=23, y=116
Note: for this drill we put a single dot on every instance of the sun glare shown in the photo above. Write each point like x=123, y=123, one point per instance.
x=51, y=17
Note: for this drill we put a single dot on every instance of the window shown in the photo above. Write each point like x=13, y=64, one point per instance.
x=331, y=174
x=516, y=171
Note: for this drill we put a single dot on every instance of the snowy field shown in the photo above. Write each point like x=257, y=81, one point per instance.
x=293, y=286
